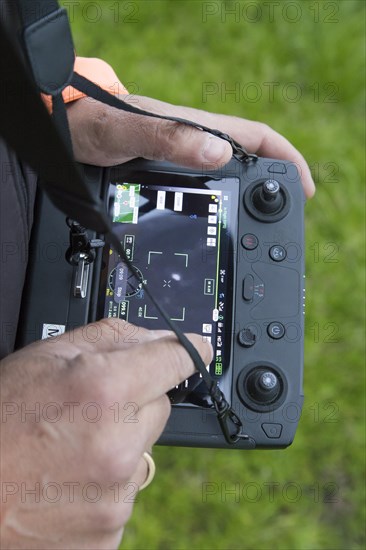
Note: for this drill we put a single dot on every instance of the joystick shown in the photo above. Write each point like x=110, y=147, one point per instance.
x=267, y=201
x=267, y=197
x=262, y=387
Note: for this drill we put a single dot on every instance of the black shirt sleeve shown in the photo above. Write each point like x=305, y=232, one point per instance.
x=17, y=195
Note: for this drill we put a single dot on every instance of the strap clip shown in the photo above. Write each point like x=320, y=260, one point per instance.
x=230, y=423
x=82, y=248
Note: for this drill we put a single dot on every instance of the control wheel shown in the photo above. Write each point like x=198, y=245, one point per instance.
x=267, y=201
x=262, y=386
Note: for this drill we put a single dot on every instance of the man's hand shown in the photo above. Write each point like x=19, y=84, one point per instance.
x=78, y=411
x=105, y=136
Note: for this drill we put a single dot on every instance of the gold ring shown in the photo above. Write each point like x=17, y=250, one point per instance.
x=151, y=469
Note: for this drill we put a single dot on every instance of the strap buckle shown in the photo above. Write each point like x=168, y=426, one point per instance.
x=230, y=423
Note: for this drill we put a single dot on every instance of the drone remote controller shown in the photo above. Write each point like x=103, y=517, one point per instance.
x=223, y=253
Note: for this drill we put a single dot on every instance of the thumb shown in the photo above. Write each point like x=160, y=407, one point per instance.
x=105, y=136
x=184, y=145
x=164, y=140
x=160, y=139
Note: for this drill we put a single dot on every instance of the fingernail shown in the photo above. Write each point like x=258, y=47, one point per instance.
x=214, y=149
x=312, y=188
x=209, y=345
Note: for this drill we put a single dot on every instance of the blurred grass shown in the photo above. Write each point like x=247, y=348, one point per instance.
x=167, y=50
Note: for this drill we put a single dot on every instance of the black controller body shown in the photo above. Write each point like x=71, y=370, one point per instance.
x=174, y=234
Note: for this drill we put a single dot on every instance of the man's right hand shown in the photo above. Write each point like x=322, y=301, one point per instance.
x=78, y=411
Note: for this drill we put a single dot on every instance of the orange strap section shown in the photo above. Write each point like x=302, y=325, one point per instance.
x=97, y=71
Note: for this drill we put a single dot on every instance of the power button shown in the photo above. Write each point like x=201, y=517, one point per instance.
x=276, y=330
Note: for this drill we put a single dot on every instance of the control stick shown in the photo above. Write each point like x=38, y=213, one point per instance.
x=267, y=198
x=263, y=386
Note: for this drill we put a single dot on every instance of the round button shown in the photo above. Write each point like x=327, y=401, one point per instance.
x=246, y=338
x=249, y=241
x=276, y=330
x=277, y=253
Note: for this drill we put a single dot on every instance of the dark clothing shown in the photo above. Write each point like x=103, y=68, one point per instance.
x=17, y=193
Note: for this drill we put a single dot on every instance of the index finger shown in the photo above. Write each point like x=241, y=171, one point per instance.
x=256, y=137
x=101, y=336
x=153, y=368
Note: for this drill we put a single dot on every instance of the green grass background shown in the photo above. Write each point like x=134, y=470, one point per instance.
x=165, y=49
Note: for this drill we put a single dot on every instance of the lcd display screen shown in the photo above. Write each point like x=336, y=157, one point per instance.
x=178, y=231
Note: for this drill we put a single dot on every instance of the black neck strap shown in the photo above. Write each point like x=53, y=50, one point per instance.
x=32, y=11
x=48, y=44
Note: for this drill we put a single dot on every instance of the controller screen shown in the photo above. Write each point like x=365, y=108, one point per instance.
x=178, y=231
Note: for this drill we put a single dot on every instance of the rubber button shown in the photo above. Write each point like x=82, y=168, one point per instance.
x=249, y=241
x=248, y=288
x=277, y=168
x=273, y=431
x=276, y=330
x=277, y=253
x=246, y=338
